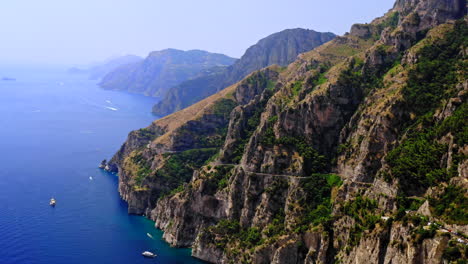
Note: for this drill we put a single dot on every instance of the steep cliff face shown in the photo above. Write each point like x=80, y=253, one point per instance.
x=356, y=152
x=164, y=69
x=280, y=48
x=158, y=159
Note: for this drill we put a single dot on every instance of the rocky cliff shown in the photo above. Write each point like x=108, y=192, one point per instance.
x=164, y=69
x=355, y=152
x=280, y=48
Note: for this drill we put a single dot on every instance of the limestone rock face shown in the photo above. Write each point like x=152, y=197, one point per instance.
x=433, y=12
x=306, y=171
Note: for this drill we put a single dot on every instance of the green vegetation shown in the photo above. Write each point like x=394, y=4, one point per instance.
x=276, y=228
x=213, y=140
x=457, y=124
x=224, y=107
x=367, y=79
x=318, y=78
x=230, y=231
x=420, y=231
x=316, y=204
x=313, y=161
x=321, y=79
x=179, y=189
x=145, y=134
x=452, y=254
x=342, y=148
x=456, y=253
x=212, y=136
x=406, y=203
x=179, y=166
x=218, y=178
x=144, y=169
x=361, y=209
x=352, y=75
x=309, y=84
x=436, y=73
x=333, y=179
x=315, y=210
x=277, y=185
x=273, y=119
x=451, y=206
x=251, y=237
x=259, y=79
x=296, y=88
x=391, y=21
x=252, y=122
x=416, y=161
x=418, y=235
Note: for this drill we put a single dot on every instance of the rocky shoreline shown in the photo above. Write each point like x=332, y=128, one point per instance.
x=329, y=160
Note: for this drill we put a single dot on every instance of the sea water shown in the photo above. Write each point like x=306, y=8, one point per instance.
x=55, y=128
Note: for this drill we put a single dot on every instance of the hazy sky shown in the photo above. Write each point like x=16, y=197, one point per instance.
x=82, y=31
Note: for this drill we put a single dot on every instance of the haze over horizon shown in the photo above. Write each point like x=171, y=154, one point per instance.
x=81, y=32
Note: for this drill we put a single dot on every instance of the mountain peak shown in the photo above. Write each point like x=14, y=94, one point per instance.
x=280, y=48
x=432, y=12
x=163, y=69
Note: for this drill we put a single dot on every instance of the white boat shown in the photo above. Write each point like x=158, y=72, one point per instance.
x=148, y=254
x=149, y=235
x=52, y=202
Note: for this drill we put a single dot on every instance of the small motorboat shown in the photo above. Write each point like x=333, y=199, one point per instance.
x=52, y=202
x=149, y=235
x=148, y=254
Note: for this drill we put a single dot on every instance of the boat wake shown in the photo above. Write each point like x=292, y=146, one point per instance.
x=91, y=103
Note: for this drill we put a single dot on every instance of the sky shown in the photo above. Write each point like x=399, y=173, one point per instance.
x=78, y=32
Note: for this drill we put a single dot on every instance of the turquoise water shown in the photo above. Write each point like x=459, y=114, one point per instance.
x=55, y=128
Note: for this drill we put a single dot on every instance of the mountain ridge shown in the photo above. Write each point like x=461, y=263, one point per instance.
x=99, y=70
x=279, y=48
x=355, y=152
x=163, y=69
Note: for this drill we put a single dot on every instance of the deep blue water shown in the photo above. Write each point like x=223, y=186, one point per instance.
x=55, y=128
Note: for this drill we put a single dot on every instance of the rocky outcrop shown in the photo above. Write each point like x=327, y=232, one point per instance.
x=280, y=48
x=432, y=12
x=164, y=69
x=356, y=152
x=157, y=159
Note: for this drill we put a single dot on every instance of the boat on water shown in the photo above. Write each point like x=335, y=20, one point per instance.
x=52, y=202
x=148, y=254
x=149, y=235
x=8, y=79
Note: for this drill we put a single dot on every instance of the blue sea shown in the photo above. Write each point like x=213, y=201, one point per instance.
x=55, y=128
